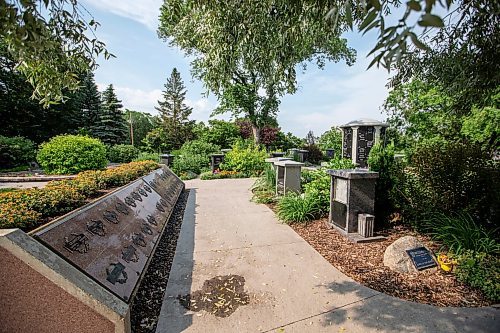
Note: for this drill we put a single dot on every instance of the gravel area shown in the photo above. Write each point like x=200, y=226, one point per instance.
x=146, y=305
x=364, y=263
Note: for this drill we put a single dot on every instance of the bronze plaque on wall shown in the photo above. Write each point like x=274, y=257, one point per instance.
x=113, y=238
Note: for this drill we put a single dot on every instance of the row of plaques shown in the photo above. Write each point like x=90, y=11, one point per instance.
x=112, y=239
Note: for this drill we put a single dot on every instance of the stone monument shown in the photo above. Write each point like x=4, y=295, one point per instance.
x=82, y=270
x=287, y=176
x=215, y=161
x=352, y=201
x=358, y=137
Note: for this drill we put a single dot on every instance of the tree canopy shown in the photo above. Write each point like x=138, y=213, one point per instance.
x=51, y=42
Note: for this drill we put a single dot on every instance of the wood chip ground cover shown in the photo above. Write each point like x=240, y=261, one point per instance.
x=364, y=263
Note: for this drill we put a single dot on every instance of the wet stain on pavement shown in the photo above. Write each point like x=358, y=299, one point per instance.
x=221, y=296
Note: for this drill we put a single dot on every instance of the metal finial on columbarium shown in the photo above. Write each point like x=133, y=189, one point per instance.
x=359, y=136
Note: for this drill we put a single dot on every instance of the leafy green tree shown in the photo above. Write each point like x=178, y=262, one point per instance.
x=482, y=125
x=243, y=100
x=140, y=124
x=156, y=141
x=52, y=43
x=247, y=53
x=220, y=132
x=111, y=127
x=286, y=141
x=331, y=139
x=421, y=111
x=462, y=61
x=174, y=113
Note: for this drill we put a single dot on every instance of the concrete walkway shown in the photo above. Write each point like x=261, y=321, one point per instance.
x=292, y=288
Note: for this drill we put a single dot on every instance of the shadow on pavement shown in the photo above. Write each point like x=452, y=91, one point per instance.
x=377, y=311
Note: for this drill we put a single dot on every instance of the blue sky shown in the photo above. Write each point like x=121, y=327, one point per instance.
x=333, y=96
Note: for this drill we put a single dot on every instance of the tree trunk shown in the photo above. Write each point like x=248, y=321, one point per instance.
x=256, y=133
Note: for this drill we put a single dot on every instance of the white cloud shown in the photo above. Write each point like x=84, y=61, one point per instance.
x=142, y=11
x=354, y=94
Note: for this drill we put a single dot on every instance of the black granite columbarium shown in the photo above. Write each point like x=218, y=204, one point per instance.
x=352, y=194
x=215, y=161
x=167, y=159
x=358, y=137
x=277, y=154
x=112, y=239
x=302, y=155
x=330, y=153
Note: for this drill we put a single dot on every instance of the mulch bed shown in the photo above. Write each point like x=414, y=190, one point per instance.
x=363, y=262
x=146, y=305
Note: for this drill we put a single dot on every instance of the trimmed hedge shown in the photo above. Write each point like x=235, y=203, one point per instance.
x=27, y=208
x=70, y=154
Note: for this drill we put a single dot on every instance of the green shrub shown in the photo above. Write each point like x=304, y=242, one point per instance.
x=195, y=163
x=199, y=147
x=338, y=163
x=319, y=188
x=16, y=151
x=70, y=154
x=314, y=155
x=245, y=157
x=122, y=153
x=459, y=233
x=450, y=177
x=187, y=175
x=295, y=208
x=143, y=156
x=482, y=271
x=264, y=196
x=381, y=160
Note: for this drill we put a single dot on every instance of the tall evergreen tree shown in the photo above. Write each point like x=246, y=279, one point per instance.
x=89, y=100
x=111, y=127
x=174, y=112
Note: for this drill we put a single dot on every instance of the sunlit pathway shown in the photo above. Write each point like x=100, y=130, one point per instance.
x=290, y=287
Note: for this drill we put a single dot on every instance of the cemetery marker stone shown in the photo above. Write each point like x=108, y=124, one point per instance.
x=421, y=258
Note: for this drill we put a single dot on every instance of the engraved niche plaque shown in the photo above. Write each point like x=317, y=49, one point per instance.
x=112, y=238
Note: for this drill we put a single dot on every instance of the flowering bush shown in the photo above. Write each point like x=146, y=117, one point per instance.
x=25, y=208
x=17, y=216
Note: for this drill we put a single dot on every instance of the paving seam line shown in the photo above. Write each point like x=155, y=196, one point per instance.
x=321, y=313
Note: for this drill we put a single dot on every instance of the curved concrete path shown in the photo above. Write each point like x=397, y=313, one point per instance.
x=292, y=287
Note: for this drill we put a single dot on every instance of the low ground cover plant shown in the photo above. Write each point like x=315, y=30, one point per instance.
x=221, y=175
x=480, y=270
x=298, y=208
x=70, y=154
x=29, y=207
